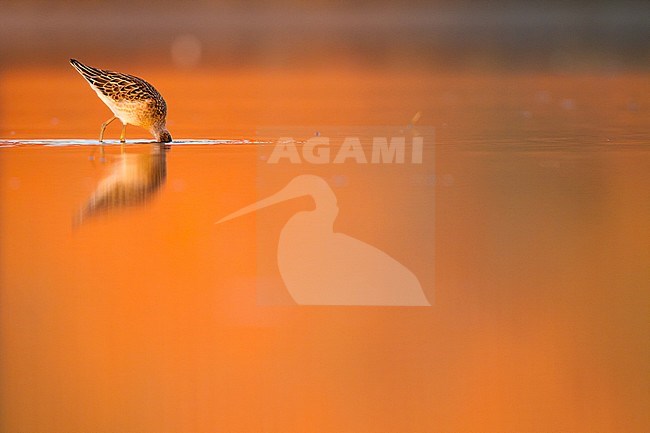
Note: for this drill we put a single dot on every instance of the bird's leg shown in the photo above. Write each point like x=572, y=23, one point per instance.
x=123, y=138
x=123, y=135
x=104, y=125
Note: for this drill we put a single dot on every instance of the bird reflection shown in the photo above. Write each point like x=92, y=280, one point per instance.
x=132, y=180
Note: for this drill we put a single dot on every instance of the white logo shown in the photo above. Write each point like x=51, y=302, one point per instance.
x=317, y=150
x=321, y=267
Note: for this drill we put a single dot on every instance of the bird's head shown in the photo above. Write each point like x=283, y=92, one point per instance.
x=162, y=135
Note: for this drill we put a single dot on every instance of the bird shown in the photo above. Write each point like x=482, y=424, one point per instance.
x=131, y=99
x=321, y=267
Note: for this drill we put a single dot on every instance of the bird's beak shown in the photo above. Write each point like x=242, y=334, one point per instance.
x=284, y=194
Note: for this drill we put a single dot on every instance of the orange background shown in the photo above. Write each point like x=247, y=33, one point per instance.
x=148, y=318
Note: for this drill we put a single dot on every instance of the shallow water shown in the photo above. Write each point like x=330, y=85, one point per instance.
x=526, y=225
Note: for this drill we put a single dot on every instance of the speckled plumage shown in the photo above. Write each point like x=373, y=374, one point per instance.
x=131, y=99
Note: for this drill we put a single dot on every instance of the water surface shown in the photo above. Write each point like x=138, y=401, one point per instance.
x=526, y=224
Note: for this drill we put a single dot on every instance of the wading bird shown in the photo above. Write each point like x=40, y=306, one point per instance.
x=321, y=267
x=131, y=99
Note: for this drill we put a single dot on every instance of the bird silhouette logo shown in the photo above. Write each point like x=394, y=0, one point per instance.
x=321, y=267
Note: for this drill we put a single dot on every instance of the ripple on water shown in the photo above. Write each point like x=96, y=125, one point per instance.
x=78, y=142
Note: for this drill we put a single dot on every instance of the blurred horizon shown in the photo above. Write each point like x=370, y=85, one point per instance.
x=577, y=36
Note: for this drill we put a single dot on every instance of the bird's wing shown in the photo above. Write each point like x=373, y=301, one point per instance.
x=116, y=85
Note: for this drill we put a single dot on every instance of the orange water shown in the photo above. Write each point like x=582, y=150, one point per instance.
x=531, y=243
